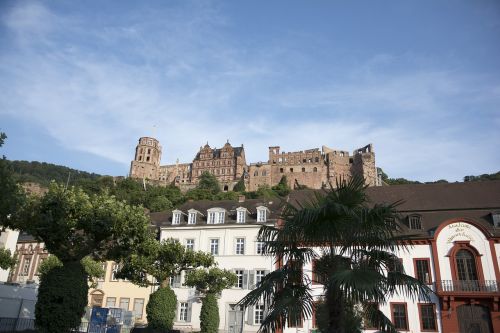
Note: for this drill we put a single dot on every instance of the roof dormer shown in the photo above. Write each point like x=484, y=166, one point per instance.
x=216, y=215
x=241, y=214
x=193, y=215
x=262, y=213
x=176, y=216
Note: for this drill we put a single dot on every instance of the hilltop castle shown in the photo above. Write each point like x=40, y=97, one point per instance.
x=313, y=168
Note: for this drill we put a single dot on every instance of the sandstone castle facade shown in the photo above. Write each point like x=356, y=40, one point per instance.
x=313, y=168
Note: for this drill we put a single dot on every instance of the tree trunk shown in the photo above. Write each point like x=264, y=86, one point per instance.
x=335, y=304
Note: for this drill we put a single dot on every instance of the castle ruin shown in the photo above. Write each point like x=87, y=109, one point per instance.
x=312, y=168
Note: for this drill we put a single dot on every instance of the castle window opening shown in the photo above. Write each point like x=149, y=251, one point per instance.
x=280, y=159
x=304, y=160
x=303, y=169
x=291, y=169
x=140, y=158
x=256, y=173
x=309, y=160
x=226, y=188
x=281, y=170
x=149, y=150
x=147, y=159
x=351, y=160
x=315, y=169
x=264, y=173
x=316, y=159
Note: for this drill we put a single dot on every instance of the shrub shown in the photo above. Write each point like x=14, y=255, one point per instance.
x=161, y=309
x=62, y=297
x=209, y=315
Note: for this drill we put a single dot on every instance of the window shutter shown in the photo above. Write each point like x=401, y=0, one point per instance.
x=245, y=280
x=251, y=279
x=190, y=308
x=250, y=315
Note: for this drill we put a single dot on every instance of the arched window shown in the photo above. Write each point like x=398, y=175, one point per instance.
x=466, y=266
x=256, y=173
x=315, y=169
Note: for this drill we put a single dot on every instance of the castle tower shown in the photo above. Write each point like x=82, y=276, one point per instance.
x=146, y=163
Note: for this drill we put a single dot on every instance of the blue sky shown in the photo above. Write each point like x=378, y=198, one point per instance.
x=80, y=82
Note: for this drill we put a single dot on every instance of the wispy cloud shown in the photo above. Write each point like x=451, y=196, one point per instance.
x=98, y=85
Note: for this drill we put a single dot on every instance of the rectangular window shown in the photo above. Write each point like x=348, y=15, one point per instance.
x=175, y=281
x=427, y=317
x=316, y=278
x=239, y=278
x=114, y=270
x=259, y=274
x=220, y=218
x=124, y=303
x=183, y=311
x=177, y=218
x=26, y=266
x=192, y=218
x=240, y=216
x=399, y=316
x=138, y=307
x=240, y=245
x=110, y=302
x=261, y=215
x=260, y=247
x=258, y=314
x=211, y=218
x=214, y=247
x=422, y=270
x=190, y=244
x=396, y=266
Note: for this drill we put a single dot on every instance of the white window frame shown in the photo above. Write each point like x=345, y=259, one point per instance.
x=188, y=245
x=239, y=246
x=192, y=218
x=258, y=314
x=216, y=215
x=114, y=270
x=176, y=217
x=211, y=218
x=212, y=240
x=241, y=214
x=262, y=214
x=183, y=311
x=259, y=247
x=136, y=313
x=243, y=272
x=220, y=218
x=259, y=274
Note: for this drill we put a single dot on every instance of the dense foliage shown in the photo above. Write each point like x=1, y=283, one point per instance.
x=43, y=173
x=483, y=177
x=74, y=225
x=159, y=309
x=209, y=314
x=353, y=245
x=11, y=201
x=62, y=297
x=210, y=283
x=208, y=182
x=282, y=189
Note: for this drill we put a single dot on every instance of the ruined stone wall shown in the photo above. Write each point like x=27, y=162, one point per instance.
x=175, y=174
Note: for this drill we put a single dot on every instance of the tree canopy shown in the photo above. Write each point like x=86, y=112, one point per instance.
x=352, y=245
x=209, y=182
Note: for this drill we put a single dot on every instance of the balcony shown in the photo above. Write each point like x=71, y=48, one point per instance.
x=471, y=286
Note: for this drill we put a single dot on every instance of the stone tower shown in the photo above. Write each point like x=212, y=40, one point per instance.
x=146, y=164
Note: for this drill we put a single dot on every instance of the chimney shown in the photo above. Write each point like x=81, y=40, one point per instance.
x=241, y=198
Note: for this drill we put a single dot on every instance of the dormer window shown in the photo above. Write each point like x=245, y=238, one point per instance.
x=262, y=214
x=176, y=217
x=216, y=215
x=192, y=218
x=496, y=219
x=414, y=222
x=241, y=214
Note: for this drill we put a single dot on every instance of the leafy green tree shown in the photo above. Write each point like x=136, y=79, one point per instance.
x=74, y=225
x=282, y=189
x=240, y=186
x=199, y=194
x=159, y=309
x=161, y=260
x=208, y=181
x=353, y=244
x=158, y=204
x=210, y=283
x=11, y=201
x=226, y=196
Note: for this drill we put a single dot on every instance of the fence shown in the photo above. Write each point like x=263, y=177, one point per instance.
x=16, y=324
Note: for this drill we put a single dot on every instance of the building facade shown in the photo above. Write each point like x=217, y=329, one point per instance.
x=313, y=168
x=454, y=236
x=228, y=230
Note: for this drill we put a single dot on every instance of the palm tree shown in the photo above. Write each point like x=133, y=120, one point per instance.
x=353, y=245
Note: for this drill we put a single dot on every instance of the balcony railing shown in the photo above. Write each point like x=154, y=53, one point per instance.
x=472, y=286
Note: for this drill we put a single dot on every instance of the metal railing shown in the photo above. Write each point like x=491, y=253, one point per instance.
x=16, y=324
x=480, y=286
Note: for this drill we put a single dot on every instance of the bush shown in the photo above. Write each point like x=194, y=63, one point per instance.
x=62, y=297
x=209, y=315
x=161, y=309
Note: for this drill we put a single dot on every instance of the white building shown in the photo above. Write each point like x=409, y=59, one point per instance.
x=228, y=230
x=454, y=231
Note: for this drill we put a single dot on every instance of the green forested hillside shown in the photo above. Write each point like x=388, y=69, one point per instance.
x=43, y=173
